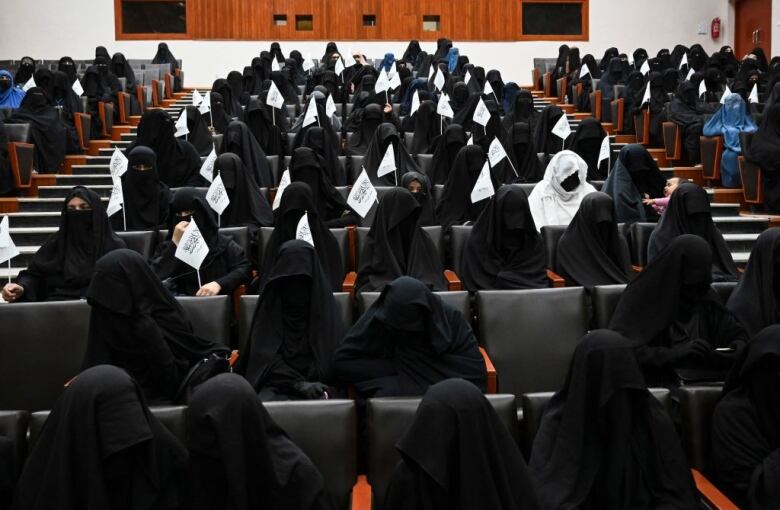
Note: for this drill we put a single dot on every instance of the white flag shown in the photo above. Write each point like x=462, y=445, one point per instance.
x=438, y=80
x=350, y=58
x=330, y=106
x=467, y=78
x=217, y=196
x=726, y=93
x=395, y=81
x=192, y=249
x=483, y=188
x=382, y=82
x=283, y=183
x=181, y=125
x=683, y=60
x=311, y=113
x=753, y=97
x=387, y=165
x=646, y=96
x=196, y=98
x=302, y=231
x=584, y=70
x=274, y=98
x=275, y=65
x=77, y=88
x=339, y=67
x=8, y=249
x=645, y=67
x=690, y=73
x=604, y=151
x=481, y=113
x=363, y=195
x=30, y=84
x=702, y=87
x=118, y=163
x=561, y=129
x=207, y=168
x=308, y=63
x=117, y=200
x=415, y=102
x=488, y=89
x=205, y=105
x=443, y=108
x=496, y=152
x=471, y=140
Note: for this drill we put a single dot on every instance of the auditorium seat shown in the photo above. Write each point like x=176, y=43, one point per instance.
x=249, y=304
x=531, y=335
x=387, y=419
x=45, y=350
x=551, y=234
x=354, y=168
x=141, y=241
x=638, y=242
x=434, y=232
x=21, y=154
x=724, y=290
x=752, y=176
x=341, y=235
x=210, y=316
x=711, y=148
x=425, y=162
x=276, y=174
x=13, y=427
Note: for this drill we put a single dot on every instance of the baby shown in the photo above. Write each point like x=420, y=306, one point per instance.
x=659, y=204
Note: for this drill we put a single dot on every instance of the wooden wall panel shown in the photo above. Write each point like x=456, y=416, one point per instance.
x=342, y=20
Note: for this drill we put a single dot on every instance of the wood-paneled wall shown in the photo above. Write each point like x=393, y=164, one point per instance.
x=466, y=20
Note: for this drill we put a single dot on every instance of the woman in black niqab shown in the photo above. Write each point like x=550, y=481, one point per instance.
x=592, y=251
x=46, y=130
x=330, y=49
x=676, y=320
x=25, y=71
x=504, y=250
x=764, y=151
x=240, y=459
x=296, y=327
x=371, y=116
x=745, y=425
x=240, y=141
x=544, y=139
x=61, y=269
x=218, y=117
x=397, y=246
x=520, y=148
x=455, y=206
x=686, y=112
x=295, y=202
x=408, y=340
x=756, y=299
x=420, y=186
x=384, y=136
x=457, y=435
x=427, y=125
x=248, y=207
x=697, y=57
x=306, y=166
x=523, y=110
x=145, y=196
x=68, y=66
x=231, y=104
x=587, y=143
x=445, y=148
x=267, y=125
x=164, y=56
x=612, y=75
x=287, y=88
x=605, y=441
x=689, y=212
x=178, y=161
x=412, y=51
x=199, y=135
x=235, y=81
x=101, y=447
x=634, y=177
x=324, y=144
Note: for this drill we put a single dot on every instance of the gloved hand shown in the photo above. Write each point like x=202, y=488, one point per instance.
x=310, y=390
x=696, y=350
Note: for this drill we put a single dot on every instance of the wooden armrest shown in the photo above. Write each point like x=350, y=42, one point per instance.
x=156, y=99
x=79, y=119
x=492, y=385
x=102, y=116
x=711, y=495
x=140, y=95
x=21, y=156
x=123, y=99
x=361, y=494
x=349, y=283
x=637, y=269
x=555, y=279
x=177, y=72
x=453, y=281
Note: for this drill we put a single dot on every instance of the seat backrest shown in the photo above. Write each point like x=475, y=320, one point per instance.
x=238, y=234
x=531, y=335
x=459, y=300
x=18, y=132
x=388, y=419
x=249, y=304
x=424, y=161
x=459, y=235
x=697, y=404
x=341, y=235
x=435, y=232
x=551, y=234
x=354, y=168
x=408, y=137
x=142, y=242
x=527, y=187
x=326, y=431
x=639, y=241
x=604, y=299
x=273, y=162
x=724, y=290
x=13, y=427
x=209, y=315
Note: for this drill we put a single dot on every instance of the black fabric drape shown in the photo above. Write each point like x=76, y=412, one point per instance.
x=764, y=150
x=587, y=143
x=145, y=196
x=385, y=135
x=445, y=149
x=248, y=207
x=46, y=129
x=455, y=206
x=239, y=140
x=306, y=166
x=199, y=135
x=634, y=175
x=424, y=197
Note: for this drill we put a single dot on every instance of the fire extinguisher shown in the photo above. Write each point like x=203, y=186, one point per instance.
x=715, y=28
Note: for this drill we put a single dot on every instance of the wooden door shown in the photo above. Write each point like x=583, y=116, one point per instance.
x=753, y=27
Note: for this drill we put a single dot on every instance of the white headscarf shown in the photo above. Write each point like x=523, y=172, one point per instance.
x=550, y=203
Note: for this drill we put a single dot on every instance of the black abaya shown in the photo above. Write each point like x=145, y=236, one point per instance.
x=519, y=146
x=455, y=206
x=306, y=166
x=764, y=151
x=408, y=340
x=248, y=207
x=145, y=196
x=385, y=135
x=587, y=143
x=240, y=141
x=444, y=149
x=635, y=176
x=46, y=130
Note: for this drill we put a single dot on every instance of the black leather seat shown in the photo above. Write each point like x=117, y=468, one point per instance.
x=354, y=168
x=210, y=316
x=724, y=290
x=249, y=303
x=44, y=350
x=238, y=234
x=273, y=163
x=551, y=234
x=604, y=299
x=534, y=406
x=531, y=335
x=387, y=421
x=18, y=132
x=341, y=235
x=424, y=161
x=459, y=235
x=142, y=242
x=459, y=300
x=638, y=242
x=697, y=404
x=13, y=426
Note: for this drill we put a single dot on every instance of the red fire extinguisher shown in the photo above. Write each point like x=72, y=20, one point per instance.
x=715, y=28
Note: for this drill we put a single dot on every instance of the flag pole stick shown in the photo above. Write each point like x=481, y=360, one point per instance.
x=512, y=165
x=197, y=271
x=9, y=270
x=273, y=115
